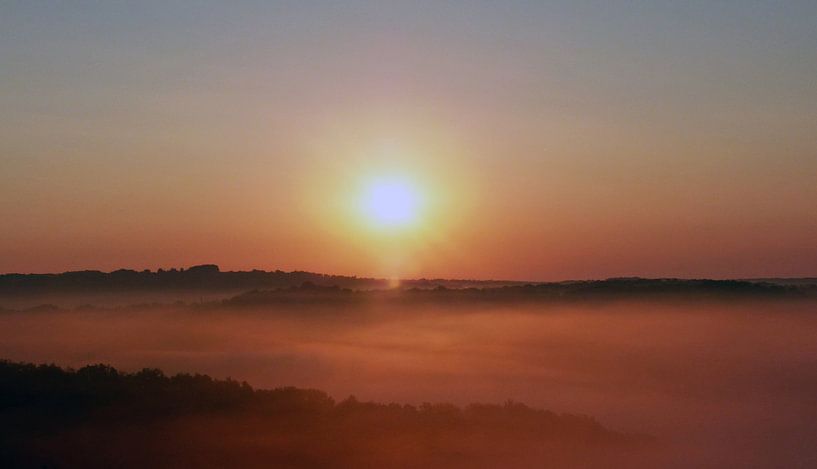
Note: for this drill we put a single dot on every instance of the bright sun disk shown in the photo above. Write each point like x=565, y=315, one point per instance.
x=391, y=203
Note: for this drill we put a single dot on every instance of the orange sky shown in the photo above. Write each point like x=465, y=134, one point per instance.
x=548, y=142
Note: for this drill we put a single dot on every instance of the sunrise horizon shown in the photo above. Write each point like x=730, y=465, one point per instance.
x=397, y=234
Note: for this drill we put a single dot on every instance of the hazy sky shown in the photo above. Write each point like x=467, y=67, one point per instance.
x=549, y=140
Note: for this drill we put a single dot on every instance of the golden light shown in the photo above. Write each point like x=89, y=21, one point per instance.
x=395, y=205
x=391, y=202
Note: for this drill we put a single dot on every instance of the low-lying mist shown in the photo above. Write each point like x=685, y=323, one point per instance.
x=719, y=384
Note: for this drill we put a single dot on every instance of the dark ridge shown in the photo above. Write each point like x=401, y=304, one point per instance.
x=309, y=293
x=204, y=277
x=785, y=280
x=610, y=289
x=209, y=277
x=97, y=416
x=201, y=277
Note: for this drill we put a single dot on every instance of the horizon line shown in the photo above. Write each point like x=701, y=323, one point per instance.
x=410, y=279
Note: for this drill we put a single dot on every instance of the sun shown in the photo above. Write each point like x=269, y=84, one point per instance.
x=391, y=202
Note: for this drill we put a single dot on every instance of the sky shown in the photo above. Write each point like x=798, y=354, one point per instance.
x=545, y=140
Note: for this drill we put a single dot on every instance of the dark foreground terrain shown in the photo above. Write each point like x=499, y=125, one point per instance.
x=97, y=416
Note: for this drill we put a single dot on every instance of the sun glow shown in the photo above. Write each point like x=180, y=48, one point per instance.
x=391, y=203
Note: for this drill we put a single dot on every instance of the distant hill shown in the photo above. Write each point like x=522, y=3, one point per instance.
x=785, y=281
x=589, y=290
x=203, y=277
x=208, y=284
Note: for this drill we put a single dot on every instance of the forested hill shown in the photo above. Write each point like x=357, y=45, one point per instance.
x=208, y=282
x=100, y=417
x=201, y=277
x=196, y=277
x=589, y=290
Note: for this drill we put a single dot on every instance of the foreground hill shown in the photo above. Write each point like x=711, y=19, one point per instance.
x=99, y=417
